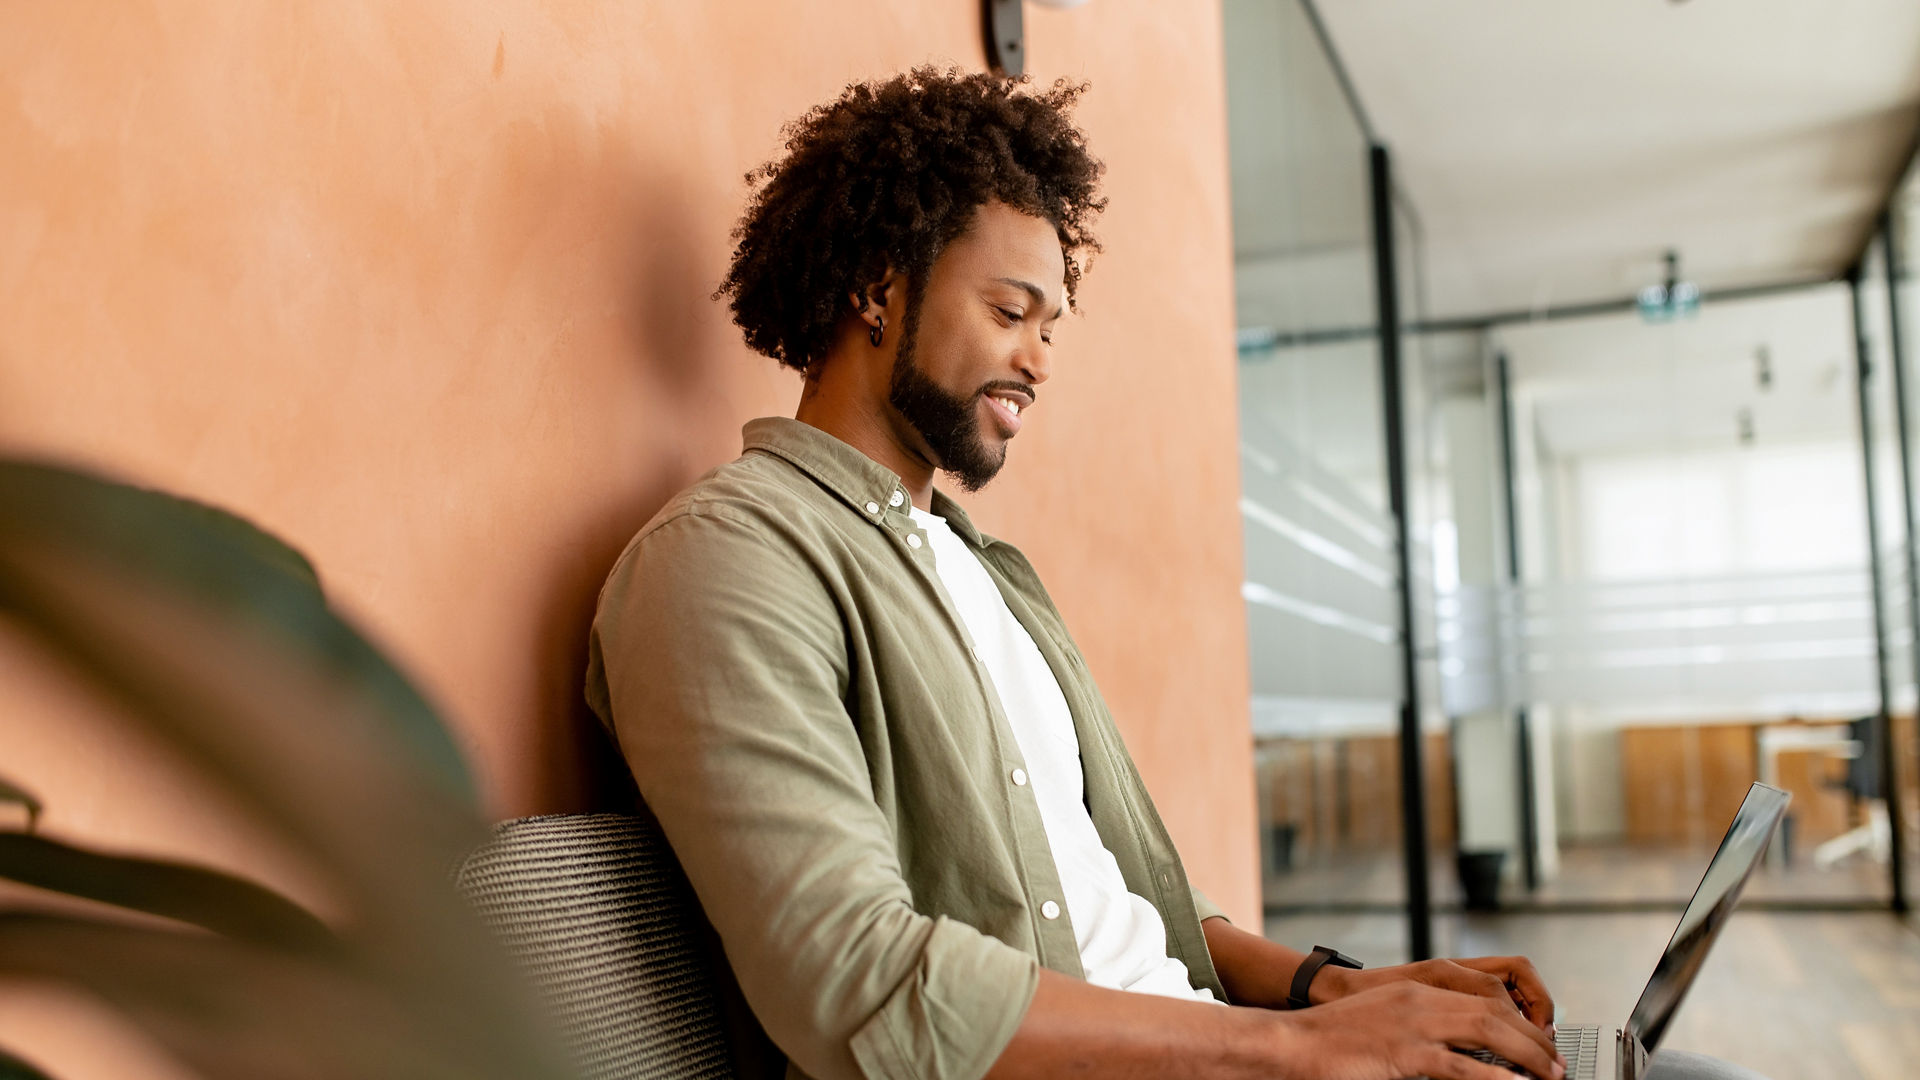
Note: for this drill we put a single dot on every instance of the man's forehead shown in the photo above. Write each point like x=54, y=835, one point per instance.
x=1010, y=247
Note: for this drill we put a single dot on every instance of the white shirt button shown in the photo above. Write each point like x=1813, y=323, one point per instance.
x=1050, y=909
x=1019, y=778
x=913, y=540
x=897, y=498
x=873, y=508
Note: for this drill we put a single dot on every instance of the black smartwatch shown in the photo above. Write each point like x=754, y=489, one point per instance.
x=1303, y=978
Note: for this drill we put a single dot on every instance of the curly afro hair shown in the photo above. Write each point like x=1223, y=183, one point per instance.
x=886, y=176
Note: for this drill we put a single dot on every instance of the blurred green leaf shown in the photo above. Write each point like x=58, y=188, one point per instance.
x=247, y=671
x=268, y=548
x=191, y=894
x=12, y=1068
x=228, y=1009
x=13, y=793
x=215, y=562
x=221, y=648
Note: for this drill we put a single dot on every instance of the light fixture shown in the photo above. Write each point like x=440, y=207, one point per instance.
x=1002, y=22
x=1672, y=298
x=1006, y=36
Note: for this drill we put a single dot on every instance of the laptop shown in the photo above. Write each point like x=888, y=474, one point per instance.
x=1594, y=1053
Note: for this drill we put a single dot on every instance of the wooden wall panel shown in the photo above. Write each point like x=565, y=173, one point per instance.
x=1684, y=782
x=1343, y=794
x=1819, y=809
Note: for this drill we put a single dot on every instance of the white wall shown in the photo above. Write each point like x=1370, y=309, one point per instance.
x=1714, y=512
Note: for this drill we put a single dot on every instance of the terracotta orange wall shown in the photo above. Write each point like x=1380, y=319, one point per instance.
x=424, y=288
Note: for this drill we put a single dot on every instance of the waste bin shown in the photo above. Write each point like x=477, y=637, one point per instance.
x=1283, y=836
x=1480, y=878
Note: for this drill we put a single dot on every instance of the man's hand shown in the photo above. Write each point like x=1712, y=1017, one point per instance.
x=1405, y=1027
x=1402, y=1029
x=1502, y=978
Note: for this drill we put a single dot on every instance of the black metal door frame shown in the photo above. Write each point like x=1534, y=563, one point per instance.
x=1523, y=721
x=1882, y=719
x=1413, y=788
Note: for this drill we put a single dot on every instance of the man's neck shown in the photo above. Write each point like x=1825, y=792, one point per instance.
x=869, y=426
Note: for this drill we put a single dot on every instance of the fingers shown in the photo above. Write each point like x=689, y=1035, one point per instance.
x=1505, y=1032
x=1447, y=1065
x=1531, y=990
x=1454, y=975
x=1463, y=977
x=1416, y=1026
x=1487, y=1023
x=1522, y=981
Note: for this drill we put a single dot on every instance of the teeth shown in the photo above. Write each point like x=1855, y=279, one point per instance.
x=1013, y=407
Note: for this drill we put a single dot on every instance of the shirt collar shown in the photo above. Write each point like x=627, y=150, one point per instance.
x=856, y=478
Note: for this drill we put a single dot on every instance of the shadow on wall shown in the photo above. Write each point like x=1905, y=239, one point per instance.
x=676, y=335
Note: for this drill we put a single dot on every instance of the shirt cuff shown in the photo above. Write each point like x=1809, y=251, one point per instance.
x=1207, y=908
x=953, y=1014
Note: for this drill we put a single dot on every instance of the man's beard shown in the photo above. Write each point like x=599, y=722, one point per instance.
x=951, y=425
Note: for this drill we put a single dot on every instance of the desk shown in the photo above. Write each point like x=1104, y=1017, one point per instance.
x=1799, y=757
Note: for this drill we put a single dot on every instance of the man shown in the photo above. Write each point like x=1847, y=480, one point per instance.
x=863, y=725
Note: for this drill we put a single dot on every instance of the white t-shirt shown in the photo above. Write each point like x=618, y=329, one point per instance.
x=1123, y=943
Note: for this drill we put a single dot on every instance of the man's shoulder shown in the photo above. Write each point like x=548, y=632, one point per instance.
x=751, y=489
x=756, y=503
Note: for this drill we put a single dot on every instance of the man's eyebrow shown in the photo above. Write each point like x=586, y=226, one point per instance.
x=1038, y=294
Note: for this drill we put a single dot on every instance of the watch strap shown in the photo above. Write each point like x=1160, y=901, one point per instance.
x=1320, y=957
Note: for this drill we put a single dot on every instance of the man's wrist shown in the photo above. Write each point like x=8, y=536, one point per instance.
x=1331, y=984
x=1261, y=1039
x=1307, y=975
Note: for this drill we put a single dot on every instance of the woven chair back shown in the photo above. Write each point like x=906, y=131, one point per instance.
x=597, y=910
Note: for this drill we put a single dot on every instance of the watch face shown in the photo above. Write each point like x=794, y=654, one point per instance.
x=1338, y=958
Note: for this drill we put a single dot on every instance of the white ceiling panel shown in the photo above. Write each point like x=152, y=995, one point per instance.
x=1613, y=384
x=1556, y=150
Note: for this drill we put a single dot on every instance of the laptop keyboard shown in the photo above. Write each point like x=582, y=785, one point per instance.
x=1578, y=1043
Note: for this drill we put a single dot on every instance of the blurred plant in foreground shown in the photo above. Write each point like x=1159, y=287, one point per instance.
x=215, y=637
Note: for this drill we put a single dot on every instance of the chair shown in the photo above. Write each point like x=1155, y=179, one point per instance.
x=1862, y=784
x=597, y=909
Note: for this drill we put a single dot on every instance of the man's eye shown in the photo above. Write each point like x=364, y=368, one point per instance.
x=1011, y=315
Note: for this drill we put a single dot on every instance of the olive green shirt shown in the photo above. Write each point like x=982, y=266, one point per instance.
x=803, y=712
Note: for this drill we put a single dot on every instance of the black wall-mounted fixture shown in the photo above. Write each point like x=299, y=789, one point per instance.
x=1001, y=21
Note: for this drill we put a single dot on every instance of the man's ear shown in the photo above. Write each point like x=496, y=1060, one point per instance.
x=872, y=304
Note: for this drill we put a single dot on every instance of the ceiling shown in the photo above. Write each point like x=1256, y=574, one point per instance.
x=1555, y=150
x=1612, y=385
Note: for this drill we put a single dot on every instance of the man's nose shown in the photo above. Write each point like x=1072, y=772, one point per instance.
x=1035, y=361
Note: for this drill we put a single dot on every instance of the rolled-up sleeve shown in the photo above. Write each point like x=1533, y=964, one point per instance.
x=724, y=662
x=1207, y=908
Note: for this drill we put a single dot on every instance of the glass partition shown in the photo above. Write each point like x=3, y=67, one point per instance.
x=1321, y=580
x=1863, y=843
x=1641, y=570
x=1700, y=612
x=1431, y=532
x=1901, y=239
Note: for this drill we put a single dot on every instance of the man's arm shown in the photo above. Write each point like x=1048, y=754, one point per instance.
x=1073, y=1028
x=1259, y=972
x=725, y=663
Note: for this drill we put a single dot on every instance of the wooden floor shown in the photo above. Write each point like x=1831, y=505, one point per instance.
x=1590, y=873
x=1792, y=996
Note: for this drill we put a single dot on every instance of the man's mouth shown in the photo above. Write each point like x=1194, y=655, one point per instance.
x=1007, y=406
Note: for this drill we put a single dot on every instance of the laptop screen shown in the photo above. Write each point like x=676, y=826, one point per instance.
x=1712, y=902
